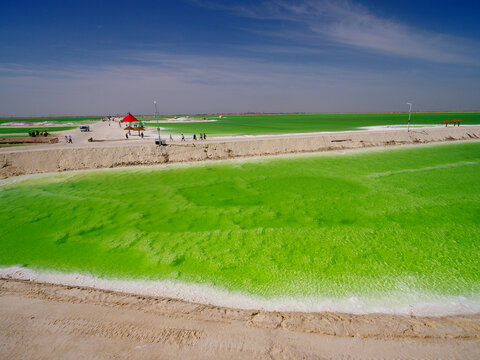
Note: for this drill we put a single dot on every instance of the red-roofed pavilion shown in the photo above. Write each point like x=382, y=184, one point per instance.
x=129, y=118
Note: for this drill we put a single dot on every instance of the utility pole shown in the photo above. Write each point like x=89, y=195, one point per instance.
x=158, y=125
x=409, y=115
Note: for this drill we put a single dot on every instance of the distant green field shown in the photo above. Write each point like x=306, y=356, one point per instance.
x=57, y=119
x=335, y=225
x=25, y=130
x=277, y=124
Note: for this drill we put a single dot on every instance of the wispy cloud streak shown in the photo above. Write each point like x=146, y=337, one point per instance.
x=350, y=24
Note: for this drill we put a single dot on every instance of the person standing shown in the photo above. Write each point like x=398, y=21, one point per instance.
x=126, y=135
x=204, y=136
x=142, y=135
x=194, y=136
x=66, y=139
x=183, y=137
x=70, y=140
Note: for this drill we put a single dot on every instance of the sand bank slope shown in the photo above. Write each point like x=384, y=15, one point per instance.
x=114, y=154
x=54, y=321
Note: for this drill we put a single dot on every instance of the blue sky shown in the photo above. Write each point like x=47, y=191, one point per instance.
x=195, y=56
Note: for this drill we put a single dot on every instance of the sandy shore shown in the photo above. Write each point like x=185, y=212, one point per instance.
x=70, y=322
x=60, y=322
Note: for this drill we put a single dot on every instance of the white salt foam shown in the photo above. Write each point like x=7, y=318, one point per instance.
x=413, y=303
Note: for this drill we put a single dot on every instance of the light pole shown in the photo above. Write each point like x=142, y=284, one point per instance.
x=158, y=125
x=409, y=114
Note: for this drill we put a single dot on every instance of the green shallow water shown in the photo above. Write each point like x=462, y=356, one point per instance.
x=300, y=123
x=331, y=225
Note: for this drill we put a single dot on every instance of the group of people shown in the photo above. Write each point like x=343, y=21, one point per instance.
x=35, y=133
x=68, y=139
x=201, y=136
x=126, y=134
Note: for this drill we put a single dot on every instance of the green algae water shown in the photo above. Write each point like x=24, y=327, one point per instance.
x=351, y=224
x=257, y=124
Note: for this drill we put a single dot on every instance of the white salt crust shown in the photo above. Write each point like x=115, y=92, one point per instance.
x=405, y=303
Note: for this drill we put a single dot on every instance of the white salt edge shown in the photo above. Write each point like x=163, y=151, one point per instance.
x=405, y=303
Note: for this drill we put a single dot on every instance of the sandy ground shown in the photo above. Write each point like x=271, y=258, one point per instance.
x=45, y=321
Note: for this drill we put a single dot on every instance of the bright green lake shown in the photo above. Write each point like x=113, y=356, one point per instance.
x=300, y=123
x=333, y=225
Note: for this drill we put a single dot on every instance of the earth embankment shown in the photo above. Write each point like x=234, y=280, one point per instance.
x=31, y=160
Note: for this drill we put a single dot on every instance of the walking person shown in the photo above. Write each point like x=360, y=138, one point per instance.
x=204, y=136
x=66, y=139
x=126, y=135
x=201, y=136
x=70, y=140
x=183, y=137
x=142, y=135
x=194, y=136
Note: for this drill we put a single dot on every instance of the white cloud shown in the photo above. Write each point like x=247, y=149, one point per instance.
x=346, y=23
x=208, y=84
